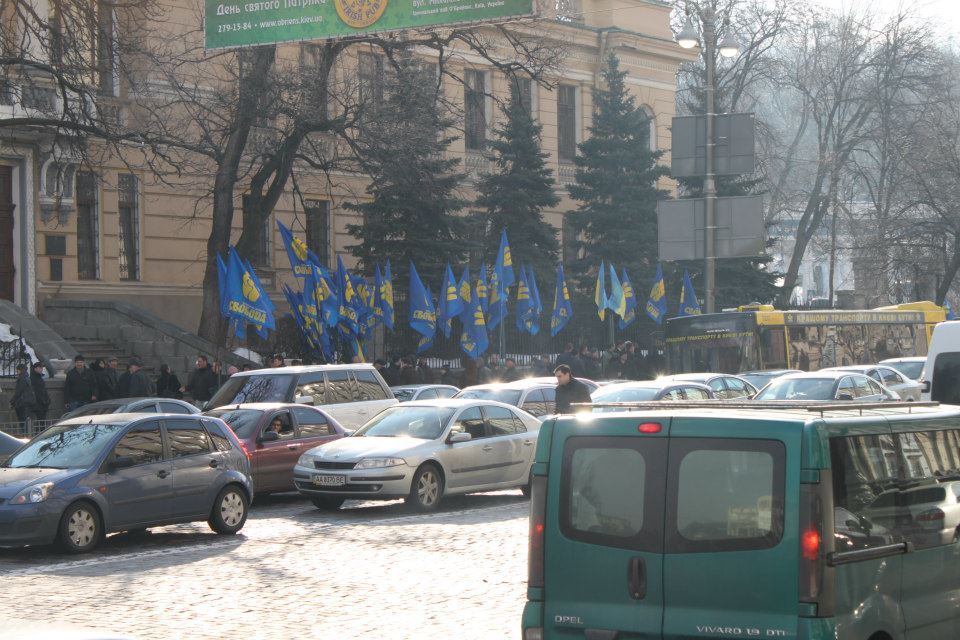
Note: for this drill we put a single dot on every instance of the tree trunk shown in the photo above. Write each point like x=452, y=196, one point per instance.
x=251, y=87
x=949, y=273
x=812, y=217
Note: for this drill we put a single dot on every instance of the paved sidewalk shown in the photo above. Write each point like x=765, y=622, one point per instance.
x=295, y=572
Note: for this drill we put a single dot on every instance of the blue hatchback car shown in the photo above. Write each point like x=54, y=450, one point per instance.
x=89, y=476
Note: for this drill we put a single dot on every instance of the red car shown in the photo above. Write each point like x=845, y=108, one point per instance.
x=274, y=435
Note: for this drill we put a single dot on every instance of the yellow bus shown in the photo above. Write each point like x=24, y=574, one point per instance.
x=760, y=337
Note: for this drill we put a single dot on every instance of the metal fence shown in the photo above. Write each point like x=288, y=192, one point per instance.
x=26, y=429
x=12, y=353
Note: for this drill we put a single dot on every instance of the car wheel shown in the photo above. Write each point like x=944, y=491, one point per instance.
x=426, y=490
x=526, y=488
x=80, y=529
x=229, y=511
x=328, y=503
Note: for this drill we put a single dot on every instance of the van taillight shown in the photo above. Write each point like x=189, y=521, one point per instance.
x=810, y=544
x=933, y=515
x=538, y=508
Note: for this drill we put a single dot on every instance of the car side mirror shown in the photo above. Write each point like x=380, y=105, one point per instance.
x=925, y=386
x=459, y=437
x=304, y=400
x=844, y=396
x=122, y=462
x=268, y=436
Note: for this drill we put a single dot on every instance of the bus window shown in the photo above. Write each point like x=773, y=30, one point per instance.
x=773, y=348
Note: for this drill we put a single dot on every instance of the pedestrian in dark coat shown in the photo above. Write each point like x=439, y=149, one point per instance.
x=408, y=374
x=42, y=403
x=569, y=358
x=106, y=382
x=168, y=385
x=202, y=381
x=470, y=374
x=23, y=399
x=80, y=387
x=134, y=383
x=424, y=372
x=569, y=390
x=446, y=376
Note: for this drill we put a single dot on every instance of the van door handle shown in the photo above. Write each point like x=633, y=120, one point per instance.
x=163, y=473
x=293, y=447
x=637, y=578
x=488, y=448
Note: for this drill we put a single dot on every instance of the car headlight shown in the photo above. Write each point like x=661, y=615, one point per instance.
x=306, y=460
x=379, y=463
x=33, y=494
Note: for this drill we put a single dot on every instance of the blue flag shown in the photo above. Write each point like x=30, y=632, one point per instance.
x=246, y=300
x=268, y=303
x=630, y=298
x=525, y=304
x=449, y=305
x=537, y=302
x=505, y=262
x=473, y=334
x=949, y=308
x=616, y=302
x=600, y=292
x=562, y=307
x=423, y=317
x=483, y=290
x=319, y=290
x=386, y=297
x=689, y=306
x=657, y=302
x=349, y=319
x=498, y=299
x=300, y=257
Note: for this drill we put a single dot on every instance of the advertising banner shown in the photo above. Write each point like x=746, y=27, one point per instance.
x=240, y=23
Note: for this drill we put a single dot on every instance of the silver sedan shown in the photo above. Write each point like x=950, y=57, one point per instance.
x=907, y=389
x=422, y=451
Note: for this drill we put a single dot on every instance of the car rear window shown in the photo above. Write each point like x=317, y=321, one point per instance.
x=924, y=496
x=595, y=508
x=725, y=495
x=255, y=388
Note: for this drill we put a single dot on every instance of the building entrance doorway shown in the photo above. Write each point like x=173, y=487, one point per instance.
x=8, y=271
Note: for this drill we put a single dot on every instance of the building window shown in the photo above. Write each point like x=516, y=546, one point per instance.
x=370, y=76
x=318, y=229
x=129, y=227
x=524, y=86
x=475, y=109
x=567, y=122
x=651, y=128
x=88, y=227
x=106, y=38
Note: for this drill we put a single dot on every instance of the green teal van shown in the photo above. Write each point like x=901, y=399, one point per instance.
x=706, y=522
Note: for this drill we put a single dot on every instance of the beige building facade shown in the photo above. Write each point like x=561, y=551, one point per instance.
x=114, y=231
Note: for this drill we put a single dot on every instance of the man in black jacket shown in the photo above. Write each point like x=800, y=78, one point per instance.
x=80, y=387
x=202, y=381
x=39, y=391
x=569, y=390
x=134, y=382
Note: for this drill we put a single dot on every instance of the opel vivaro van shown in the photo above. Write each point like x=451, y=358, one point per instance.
x=684, y=522
x=941, y=373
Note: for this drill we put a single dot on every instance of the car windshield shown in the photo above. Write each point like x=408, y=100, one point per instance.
x=798, y=389
x=256, y=388
x=404, y=395
x=910, y=369
x=66, y=447
x=757, y=379
x=506, y=396
x=242, y=421
x=96, y=409
x=425, y=423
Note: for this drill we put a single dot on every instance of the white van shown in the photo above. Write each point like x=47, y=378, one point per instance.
x=941, y=373
x=351, y=393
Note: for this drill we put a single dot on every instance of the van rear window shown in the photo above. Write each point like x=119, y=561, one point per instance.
x=725, y=495
x=612, y=491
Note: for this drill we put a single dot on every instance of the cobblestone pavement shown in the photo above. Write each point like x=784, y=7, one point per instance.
x=370, y=570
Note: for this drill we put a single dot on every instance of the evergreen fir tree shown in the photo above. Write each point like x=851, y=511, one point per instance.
x=616, y=186
x=514, y=196
x=412, y=214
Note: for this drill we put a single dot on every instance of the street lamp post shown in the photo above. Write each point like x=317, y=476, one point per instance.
x=687, y=38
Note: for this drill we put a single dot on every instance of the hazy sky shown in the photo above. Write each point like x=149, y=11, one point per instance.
x=944, y=13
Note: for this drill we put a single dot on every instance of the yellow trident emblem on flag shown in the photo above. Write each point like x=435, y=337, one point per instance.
x=249, y=288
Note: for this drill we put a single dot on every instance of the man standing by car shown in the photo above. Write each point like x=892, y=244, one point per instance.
x=202, y=381
x=23, y=398
x=42, y=402
x=80, y=387
x=569, y=390
x=134, y=383
x=510, y=371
